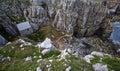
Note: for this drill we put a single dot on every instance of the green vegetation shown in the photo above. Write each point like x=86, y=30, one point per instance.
x=7, y=37
x=15, y=10
x=78, y=64
x=53, y=53
x=19, y=52
x=15, y=51
x=112, y=63
x=44, y=32
x=18, y=56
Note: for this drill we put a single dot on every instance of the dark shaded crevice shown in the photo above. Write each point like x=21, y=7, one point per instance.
x=84, y=35
x=75, y=32
x=5, y=34
x=99, y=32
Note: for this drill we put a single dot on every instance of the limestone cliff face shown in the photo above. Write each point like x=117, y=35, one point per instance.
x=84, y=16
x=74, y=17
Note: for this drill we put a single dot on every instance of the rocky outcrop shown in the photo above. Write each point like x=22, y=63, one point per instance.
x=37, y=14
x=74, y=17
x=115, y=34
x=79, y=17
x=11, y=13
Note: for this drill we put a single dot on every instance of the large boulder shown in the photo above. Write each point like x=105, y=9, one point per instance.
x=115, y=36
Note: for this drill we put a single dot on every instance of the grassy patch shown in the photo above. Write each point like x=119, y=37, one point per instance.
x=96, y=59
x=6, y=36
x=79, y=64
x=18, y=63
x=17, y=55
x=47, y=31
x=112, y=63
x=14, y=50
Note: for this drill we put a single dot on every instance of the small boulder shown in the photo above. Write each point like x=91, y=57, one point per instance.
x=68, y=69
x=38, y=69
x=45, y=51
x=28, y=59
x=47, y=43
x=100, y=67
x=88, y=58
x=100, y=54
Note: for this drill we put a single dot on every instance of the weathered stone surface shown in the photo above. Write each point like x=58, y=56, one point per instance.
x=83, y=14
x=37, y=14
x=100, y=67
x=65, y=15
x=115, y=34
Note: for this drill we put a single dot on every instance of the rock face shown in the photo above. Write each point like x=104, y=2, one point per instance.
x=37, y=14
x=11, y=13
x=74, y=17
x=79, y=17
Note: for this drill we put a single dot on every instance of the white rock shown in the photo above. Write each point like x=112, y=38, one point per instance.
x=40, y=56
x=47, y=43
x=22, y=49
x=50, y=60
x=45, y=51
x=24, y=42
x=118, y=50
x=65, y=64
x=28, y=59
x=69, y=50
x=48, y=66
x=49, y=69
x=100, y=67
x=38, y=45
x=63, y=53
x=9, y=58
x=88, y=58
x=12, y=47
x=27, y=43
x=39, y=60
x=68, y=69
x=97, y=53
x=38, y=69
x=8, y=43
x=21, y=45
x=34, y=56
x=3, y=58
x=21, y=40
